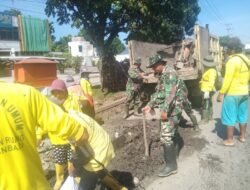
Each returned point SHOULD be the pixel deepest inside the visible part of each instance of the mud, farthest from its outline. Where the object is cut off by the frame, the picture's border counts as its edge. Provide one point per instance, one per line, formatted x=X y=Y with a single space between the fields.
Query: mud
x=130 y=160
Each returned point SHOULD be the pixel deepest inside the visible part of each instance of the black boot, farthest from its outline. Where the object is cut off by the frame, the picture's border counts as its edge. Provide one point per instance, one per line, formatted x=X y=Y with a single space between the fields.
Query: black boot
x=126 y=112
x=194 y=121
x=170 y=159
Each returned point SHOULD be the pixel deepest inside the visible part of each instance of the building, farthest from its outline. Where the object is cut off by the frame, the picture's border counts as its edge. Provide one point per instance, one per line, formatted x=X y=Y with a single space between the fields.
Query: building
x=23 y=34
x=9 y=34
x=82 y=48
x=247 y=46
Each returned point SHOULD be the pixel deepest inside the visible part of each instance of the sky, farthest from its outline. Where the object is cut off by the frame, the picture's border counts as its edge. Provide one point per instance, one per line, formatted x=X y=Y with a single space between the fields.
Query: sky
x=224 y=17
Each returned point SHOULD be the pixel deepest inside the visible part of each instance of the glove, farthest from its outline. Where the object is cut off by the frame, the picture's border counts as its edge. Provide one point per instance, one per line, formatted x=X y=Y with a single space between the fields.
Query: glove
x=206 y=95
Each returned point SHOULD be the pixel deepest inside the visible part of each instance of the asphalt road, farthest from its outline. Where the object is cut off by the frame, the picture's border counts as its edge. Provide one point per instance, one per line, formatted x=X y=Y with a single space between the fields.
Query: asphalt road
x=205 y=164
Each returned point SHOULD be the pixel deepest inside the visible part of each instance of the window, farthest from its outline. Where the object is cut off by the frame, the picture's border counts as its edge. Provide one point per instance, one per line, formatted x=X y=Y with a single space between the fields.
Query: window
x=80 y=49
x=9 y=34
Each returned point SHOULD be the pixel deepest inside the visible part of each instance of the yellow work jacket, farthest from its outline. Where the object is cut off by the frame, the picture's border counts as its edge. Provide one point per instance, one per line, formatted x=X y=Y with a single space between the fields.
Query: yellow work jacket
x=22 y=108
x=236 y=76
x=99 y=141
x=77 y=91
x=86 y=87
x=208 y=80
x=72 y=102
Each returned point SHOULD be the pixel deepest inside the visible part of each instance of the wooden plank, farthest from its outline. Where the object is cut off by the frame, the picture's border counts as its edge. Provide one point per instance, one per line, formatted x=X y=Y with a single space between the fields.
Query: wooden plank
x=114 y=104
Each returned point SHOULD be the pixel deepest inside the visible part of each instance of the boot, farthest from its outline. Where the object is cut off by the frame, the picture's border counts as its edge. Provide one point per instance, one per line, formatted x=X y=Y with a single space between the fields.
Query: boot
x=211 y=113
x=170 y=159
x=59 y=176
x=204 y=117
x=136 y=112
x=126 y=110
x=194 y=121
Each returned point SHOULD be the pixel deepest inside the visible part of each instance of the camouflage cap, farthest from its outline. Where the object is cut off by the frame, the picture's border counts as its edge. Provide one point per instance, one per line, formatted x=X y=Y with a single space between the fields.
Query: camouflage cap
x=154 y=60
x=137 y=61
x=208 y=61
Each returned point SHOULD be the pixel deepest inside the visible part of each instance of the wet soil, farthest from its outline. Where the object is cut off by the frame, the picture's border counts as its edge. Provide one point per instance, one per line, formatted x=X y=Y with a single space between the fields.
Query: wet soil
x=128 y=141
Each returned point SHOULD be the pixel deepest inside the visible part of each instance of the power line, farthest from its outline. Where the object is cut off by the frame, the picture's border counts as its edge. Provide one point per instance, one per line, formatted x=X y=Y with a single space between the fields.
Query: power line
x=217 y=10
x=30 y=1
x=210 y=13
x=214 y=12
x=22 y=9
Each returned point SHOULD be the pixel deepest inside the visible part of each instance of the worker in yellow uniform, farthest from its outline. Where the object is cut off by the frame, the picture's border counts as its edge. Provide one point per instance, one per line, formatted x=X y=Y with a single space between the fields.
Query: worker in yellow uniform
x=234 y=94
x=22 y=108
x=102 y=152
x=61 y=148
x=84 y=91
x=87 y=90
x=207 y=88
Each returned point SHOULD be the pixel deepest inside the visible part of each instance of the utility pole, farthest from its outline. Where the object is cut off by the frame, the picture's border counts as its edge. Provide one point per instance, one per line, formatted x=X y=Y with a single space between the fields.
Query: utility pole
x=229 y=28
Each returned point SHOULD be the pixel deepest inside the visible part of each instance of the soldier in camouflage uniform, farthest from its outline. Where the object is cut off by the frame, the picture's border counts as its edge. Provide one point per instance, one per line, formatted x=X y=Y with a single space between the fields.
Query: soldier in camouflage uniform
x=133 y=87
x=168 y=98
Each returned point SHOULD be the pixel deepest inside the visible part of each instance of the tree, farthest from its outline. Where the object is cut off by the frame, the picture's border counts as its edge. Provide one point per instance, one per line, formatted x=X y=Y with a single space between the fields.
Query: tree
x=52 y=31
x=62 y=44
x=115 y=48
x=231 y=43
x=163 y=21
x=13 y=12
x=156 y=21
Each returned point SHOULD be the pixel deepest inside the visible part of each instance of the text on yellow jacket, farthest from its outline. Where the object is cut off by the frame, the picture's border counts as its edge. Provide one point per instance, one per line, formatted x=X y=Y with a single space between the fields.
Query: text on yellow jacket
x=22 y=108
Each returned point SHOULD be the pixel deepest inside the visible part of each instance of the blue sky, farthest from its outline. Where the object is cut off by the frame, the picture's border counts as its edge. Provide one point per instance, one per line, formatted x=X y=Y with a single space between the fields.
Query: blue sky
x=223 y=16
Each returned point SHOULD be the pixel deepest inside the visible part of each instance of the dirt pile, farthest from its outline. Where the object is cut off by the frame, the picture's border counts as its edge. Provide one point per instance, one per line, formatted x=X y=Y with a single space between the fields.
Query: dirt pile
x=129 y=145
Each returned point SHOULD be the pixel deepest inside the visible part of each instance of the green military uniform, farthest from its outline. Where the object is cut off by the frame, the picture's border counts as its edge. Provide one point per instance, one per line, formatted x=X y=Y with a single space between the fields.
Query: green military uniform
x=133 y=88
x=169 y=96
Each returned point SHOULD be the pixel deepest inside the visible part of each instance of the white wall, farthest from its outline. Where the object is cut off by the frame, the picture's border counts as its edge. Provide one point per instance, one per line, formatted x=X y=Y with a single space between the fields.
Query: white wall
x=7 y=45
x=247 y=46
x=87 y=48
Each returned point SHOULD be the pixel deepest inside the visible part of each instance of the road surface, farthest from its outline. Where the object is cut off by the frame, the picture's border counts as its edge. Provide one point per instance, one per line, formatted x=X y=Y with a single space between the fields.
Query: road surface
x=205 y=164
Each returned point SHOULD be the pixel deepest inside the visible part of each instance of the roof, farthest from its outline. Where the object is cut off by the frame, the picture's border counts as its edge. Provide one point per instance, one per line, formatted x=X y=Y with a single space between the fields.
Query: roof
x=32 y=61
x=17 y=58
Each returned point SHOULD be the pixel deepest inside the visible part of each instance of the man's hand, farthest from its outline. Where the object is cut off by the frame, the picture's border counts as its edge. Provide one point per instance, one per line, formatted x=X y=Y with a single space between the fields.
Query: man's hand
x=164 y=116
x=142 y=74
x=146 y=109
x=220 y=97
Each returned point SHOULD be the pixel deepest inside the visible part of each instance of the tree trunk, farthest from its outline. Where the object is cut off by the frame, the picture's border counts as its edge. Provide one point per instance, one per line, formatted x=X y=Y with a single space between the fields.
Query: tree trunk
x=113 y=74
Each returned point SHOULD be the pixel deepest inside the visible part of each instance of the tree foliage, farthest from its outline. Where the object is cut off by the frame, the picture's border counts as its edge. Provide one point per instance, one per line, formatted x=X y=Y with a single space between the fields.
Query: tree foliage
x=231 y=43
x=156 y=21
x=163 y=21
x=116 y=46
x=62 y=44
x=13 y=12
x=52 y=31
